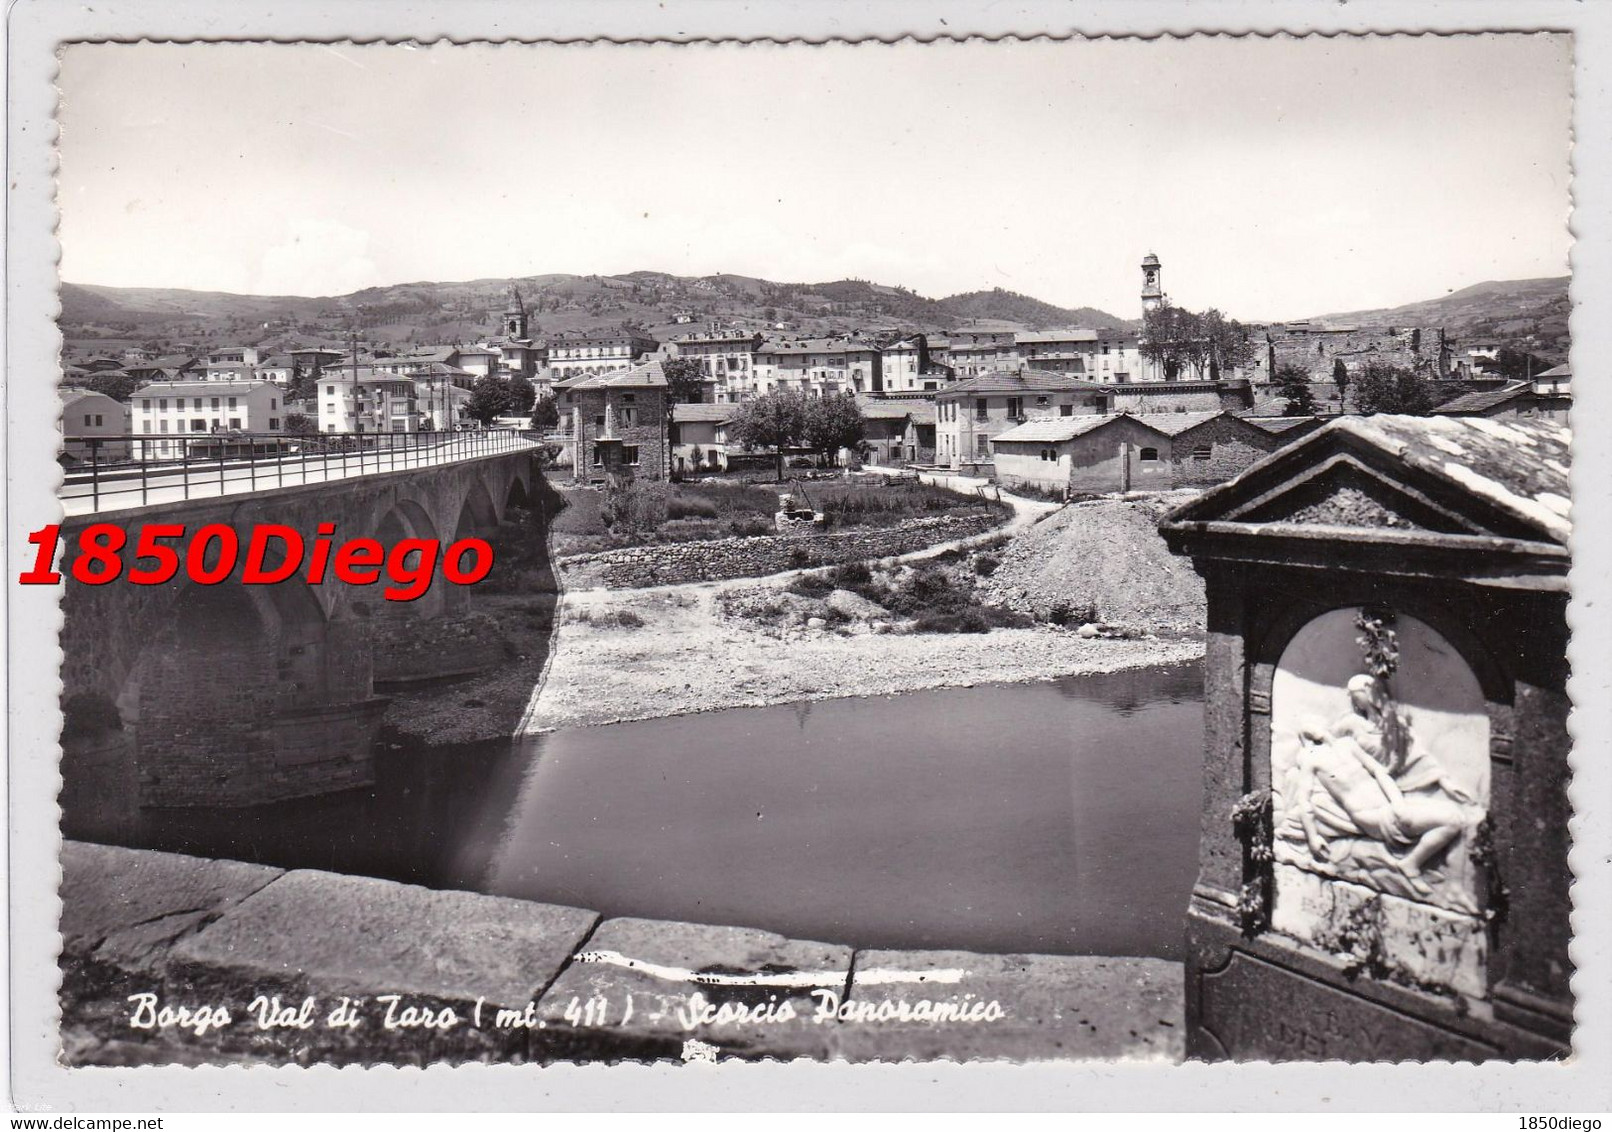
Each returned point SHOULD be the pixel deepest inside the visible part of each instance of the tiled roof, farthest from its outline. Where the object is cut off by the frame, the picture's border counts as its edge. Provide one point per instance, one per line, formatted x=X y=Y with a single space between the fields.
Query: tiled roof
x=922 y=412
x=1484 y=400
x=1520 y=466
x=1277 y=425
x=1074 y=334
x=1563 y=370
x=647 y=375
x=714 y=414
x=1015 y=381
x=1053 y=429
x=160 y=388
x=1050 y=430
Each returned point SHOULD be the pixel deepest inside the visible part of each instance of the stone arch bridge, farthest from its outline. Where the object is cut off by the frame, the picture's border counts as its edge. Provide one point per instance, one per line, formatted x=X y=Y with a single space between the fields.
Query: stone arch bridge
x=233 y=694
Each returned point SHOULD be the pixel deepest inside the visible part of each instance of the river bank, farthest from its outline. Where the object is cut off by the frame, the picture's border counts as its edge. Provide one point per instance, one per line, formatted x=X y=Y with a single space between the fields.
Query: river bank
x=643 y=654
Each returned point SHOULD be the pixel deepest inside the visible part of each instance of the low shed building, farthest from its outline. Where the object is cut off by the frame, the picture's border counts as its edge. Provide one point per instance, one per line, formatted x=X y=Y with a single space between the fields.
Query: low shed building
x=1130 y=452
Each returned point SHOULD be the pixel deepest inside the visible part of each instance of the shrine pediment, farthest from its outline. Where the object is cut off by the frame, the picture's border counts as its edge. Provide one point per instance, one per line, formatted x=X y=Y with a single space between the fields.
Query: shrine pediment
x=1436 y=482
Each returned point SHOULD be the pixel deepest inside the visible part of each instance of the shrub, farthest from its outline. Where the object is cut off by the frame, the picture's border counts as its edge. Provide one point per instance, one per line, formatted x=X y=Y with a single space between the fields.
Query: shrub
x=627 y=619
x=811 y=585
x=1064 y=613
x=687 y=506
x=799 y=556
x=985 y=564
x=635 y=507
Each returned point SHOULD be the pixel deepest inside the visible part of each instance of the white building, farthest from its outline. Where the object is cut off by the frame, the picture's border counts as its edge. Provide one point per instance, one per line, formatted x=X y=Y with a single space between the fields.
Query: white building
x=93 y=426
x=598 y=353
x=363 y=399
x=904 y=365
x=727 y=358
x=165 y=411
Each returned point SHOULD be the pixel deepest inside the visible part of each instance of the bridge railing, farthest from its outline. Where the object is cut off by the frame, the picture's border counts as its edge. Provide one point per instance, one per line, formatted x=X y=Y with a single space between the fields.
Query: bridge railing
x=114 y=472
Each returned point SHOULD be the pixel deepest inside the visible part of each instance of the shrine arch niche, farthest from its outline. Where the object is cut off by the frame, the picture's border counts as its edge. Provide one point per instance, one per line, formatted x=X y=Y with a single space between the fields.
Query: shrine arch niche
x=1379 y=781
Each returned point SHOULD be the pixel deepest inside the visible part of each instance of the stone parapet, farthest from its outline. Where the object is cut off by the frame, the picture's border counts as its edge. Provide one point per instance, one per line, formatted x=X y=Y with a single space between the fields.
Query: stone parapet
x=271 y=967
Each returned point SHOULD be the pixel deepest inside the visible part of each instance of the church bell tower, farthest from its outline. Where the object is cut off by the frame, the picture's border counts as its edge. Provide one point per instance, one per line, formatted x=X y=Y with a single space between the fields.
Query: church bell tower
x=1152 y=283
x=515 y=320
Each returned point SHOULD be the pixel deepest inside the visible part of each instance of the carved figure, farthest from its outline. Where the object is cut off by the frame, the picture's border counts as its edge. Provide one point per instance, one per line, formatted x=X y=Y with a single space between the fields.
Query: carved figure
x=1341 y=790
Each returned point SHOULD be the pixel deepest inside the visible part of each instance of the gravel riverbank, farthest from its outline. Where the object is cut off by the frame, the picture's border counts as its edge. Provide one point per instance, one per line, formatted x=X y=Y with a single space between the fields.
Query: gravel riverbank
x=682 y=656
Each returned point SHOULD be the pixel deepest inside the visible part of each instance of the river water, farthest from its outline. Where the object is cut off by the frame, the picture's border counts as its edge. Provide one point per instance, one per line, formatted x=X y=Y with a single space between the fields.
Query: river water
x=1047 y=817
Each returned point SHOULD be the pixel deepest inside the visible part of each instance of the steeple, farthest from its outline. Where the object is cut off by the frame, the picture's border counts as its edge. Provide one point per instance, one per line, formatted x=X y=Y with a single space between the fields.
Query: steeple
x=515 y=320
x=1152 y=283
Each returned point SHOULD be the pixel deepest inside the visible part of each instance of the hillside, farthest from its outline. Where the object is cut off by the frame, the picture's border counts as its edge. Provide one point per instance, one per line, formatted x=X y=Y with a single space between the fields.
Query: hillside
x=1529 y=314
x=662 y=304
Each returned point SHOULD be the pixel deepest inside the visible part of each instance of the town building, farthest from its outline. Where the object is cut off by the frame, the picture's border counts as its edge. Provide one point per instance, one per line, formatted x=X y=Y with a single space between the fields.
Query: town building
x=1112 y=357
x=817 y=367
x=1550 y=396
x=1129 y=452
x=168 y=414
x=727 y=358
x=95 y=427
x=612 y=352
x=618 y=423
x=366 y=399
x=899 y=432
x=974 y=351
x=973 y=410
x=906 y=367
x=700 y=436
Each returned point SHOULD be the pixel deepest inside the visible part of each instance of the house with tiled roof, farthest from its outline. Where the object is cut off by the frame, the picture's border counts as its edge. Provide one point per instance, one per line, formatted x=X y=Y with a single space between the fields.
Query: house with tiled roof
x=700 y=436
x=973 y=410
x=1548 y=395
x=818 y=367
x=1124 y=452
x=899 y=432
x=618 y=423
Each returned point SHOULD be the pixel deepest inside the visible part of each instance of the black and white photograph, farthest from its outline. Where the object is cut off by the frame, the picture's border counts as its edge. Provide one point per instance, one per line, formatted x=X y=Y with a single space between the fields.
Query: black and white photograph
x=1028 y=550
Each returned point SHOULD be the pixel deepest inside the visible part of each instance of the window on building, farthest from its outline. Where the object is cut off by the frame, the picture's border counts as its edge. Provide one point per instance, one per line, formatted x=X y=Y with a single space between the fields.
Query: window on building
x=235 y=422
x=598 y=457
x=980 y=408
x=330 y=390
x=162 y=403
x=629 y=454
x=86 y=420
x=198 y=425
x=232 y=403
x=1015 y=406
x=162 y=426
x=1202 y=452
x=1066 y=410
x=145 y=405
x=145 y=426
x=980 y=448
x=274 y=424
x=215 y=402
x=1147 y=455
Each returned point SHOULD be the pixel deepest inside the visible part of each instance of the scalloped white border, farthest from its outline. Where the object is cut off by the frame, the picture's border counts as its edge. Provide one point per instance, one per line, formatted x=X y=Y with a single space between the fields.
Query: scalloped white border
x=36 y=27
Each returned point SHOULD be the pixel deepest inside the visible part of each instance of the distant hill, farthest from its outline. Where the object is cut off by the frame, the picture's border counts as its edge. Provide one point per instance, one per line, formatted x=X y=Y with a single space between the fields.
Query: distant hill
x=662 y=304
x=1528 y=314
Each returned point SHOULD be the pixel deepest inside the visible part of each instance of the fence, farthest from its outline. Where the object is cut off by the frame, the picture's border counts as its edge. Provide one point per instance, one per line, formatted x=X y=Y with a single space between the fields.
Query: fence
x=112 y=472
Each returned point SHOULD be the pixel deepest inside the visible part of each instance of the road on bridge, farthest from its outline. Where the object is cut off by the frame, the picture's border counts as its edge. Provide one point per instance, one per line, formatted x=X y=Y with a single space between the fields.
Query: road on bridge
x=119 y=487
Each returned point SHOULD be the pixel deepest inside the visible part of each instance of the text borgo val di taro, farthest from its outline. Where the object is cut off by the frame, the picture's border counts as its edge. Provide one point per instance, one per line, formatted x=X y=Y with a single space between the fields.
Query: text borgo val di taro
x=394 y=1012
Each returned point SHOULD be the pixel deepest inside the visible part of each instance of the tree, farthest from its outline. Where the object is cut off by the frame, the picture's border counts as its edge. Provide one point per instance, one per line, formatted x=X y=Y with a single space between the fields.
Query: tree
x=773 y=420
x=685 y=379
x=833 y=423
x=545 y=415
x=522 y=394
x=118 y=386
x=301 y=424
x=1293 y=383
x=1229 y=343
x=1173 y=339
x=1381 y=388
x=489 y=398
x=1340 y=378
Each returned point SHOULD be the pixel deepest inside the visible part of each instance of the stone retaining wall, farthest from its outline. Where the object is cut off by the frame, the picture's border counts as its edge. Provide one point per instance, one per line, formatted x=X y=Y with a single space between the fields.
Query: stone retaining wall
x=351 y=970
x=757 y=556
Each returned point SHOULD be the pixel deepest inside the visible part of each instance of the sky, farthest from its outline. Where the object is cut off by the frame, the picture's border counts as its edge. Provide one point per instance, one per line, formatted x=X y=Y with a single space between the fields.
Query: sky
x=1275 y=178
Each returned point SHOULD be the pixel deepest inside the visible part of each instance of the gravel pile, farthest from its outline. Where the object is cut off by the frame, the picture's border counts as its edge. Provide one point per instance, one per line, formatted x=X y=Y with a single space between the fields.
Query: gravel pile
x=1105 y=553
